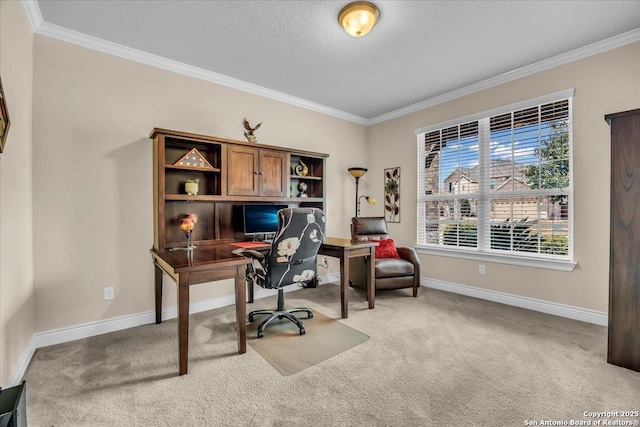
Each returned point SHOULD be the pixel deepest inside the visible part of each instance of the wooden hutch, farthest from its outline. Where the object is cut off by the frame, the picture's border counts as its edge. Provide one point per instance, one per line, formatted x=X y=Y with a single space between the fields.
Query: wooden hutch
x=624 y=257
x=230 y=174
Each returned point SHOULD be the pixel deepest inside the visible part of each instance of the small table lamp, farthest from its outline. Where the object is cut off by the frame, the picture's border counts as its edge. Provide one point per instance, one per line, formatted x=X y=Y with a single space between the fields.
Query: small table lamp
x=187 y=224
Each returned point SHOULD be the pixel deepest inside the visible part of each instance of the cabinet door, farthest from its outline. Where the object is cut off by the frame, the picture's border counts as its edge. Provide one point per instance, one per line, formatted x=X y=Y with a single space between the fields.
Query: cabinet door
x=272 y=173
x=624 y=274
x=242 y=171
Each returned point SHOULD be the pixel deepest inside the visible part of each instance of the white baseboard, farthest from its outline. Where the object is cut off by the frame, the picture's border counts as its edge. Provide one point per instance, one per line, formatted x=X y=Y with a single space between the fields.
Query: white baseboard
x=18 y=371
x=329 y=278
x=85 y=330
x=72 y=333
x=562 y=310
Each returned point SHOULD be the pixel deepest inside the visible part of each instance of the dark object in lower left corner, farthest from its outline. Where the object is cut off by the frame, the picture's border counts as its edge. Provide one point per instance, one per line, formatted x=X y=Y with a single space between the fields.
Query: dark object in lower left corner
x=13 y=406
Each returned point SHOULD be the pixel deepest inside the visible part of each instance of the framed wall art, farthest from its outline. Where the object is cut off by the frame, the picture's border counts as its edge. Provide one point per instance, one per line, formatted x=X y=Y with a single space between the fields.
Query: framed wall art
x=4 y=119
x=392 y=194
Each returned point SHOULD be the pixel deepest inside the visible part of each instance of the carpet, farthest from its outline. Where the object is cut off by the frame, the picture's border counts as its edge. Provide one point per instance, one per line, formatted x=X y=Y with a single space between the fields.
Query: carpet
x=289 y=352
x=439 y=359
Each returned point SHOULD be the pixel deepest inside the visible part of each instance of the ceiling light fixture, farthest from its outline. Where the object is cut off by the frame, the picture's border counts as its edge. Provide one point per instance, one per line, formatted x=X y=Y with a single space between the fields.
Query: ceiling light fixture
x=358 y=18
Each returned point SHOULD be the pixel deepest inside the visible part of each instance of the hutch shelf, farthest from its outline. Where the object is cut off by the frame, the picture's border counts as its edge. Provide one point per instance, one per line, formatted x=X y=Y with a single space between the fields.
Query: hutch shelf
x=229 y=174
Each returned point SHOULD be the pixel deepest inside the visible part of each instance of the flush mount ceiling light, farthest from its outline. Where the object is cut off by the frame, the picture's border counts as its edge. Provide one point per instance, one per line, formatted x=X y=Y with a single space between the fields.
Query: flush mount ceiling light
x=358 y=18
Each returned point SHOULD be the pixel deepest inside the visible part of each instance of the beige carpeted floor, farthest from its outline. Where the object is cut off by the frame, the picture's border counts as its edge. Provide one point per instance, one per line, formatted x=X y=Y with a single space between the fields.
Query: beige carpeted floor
x=437 y=360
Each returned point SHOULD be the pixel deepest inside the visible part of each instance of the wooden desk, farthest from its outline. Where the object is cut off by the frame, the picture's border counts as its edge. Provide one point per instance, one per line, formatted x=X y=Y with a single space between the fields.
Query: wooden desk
x=345 y=249
x=206 y=263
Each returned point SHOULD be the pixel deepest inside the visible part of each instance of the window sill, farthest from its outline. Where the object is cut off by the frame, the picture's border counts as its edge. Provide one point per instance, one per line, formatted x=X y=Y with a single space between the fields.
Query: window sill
x=546 y=263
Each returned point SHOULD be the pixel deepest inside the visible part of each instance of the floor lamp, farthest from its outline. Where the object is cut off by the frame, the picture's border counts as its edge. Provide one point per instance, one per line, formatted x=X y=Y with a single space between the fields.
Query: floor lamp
x=357 y=173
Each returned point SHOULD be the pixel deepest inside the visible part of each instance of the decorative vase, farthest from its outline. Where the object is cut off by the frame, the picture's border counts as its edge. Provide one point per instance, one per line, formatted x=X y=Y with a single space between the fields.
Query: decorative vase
x=191 y=188
x=187 y=225
x=302 y=169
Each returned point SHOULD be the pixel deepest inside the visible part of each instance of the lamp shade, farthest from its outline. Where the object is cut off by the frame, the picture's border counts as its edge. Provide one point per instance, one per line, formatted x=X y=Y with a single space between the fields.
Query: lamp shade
x=358 y=18
x=357 y=172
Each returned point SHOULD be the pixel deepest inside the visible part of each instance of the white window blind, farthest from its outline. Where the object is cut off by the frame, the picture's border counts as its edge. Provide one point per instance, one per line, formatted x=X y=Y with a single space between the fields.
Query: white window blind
x=500 y=181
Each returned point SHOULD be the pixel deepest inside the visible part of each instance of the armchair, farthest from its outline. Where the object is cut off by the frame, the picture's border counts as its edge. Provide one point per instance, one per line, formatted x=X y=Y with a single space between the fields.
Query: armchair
x=291 y=259
x=390 y=273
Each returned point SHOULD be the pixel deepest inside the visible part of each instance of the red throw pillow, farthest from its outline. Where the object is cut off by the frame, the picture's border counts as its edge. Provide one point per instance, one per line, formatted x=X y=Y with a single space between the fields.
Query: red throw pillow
x=386 y=248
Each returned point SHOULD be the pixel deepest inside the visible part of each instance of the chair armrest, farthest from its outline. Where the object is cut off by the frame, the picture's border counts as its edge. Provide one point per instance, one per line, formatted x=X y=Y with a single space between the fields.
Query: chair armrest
x=410 y=255
x=249 y=253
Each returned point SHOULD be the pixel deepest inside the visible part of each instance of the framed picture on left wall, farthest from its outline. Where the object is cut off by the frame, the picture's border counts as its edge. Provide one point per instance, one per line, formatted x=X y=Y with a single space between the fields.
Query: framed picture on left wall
x=4 y=118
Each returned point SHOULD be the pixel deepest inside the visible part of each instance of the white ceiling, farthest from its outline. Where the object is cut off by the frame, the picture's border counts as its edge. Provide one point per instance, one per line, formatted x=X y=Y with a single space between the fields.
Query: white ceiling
x=418 y=50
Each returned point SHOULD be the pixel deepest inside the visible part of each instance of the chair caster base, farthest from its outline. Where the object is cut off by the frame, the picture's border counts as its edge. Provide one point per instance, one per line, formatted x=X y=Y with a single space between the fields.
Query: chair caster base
x=280 y=314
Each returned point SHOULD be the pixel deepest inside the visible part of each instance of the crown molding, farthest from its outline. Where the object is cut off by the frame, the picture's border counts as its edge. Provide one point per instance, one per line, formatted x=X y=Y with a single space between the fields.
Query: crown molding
x=546 y=64
x=32 y=10
x=63 y=34
x=43 y=28
x=135 y=55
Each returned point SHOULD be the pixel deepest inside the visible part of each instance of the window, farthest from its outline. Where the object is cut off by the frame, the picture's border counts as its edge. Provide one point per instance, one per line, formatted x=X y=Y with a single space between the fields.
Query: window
x=499 y=182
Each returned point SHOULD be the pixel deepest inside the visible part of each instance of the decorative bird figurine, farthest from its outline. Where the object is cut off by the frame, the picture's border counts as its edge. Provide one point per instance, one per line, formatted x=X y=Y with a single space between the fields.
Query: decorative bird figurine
x=249 y=130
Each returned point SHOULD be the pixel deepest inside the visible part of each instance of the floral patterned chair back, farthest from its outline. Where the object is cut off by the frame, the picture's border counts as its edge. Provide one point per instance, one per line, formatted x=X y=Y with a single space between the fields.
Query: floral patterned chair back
x=292 y=257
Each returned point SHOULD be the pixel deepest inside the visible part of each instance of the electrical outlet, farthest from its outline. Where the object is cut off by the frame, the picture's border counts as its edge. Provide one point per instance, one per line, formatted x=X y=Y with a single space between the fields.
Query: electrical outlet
x=481 y=269
x=325 y=263
x=108 y=293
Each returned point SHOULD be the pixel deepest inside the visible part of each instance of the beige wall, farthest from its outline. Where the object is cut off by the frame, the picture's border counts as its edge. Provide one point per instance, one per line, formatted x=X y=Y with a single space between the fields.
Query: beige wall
x=93 y=177
x=604 y=83
x=89 y=210
x=16 y=238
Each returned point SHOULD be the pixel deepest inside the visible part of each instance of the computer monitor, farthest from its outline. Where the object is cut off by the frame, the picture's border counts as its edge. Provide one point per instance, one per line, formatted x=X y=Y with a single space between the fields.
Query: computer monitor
x=261 y=219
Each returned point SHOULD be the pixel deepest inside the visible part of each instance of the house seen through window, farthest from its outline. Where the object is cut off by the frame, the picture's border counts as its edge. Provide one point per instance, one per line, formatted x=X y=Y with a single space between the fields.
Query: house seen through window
x=498 y=183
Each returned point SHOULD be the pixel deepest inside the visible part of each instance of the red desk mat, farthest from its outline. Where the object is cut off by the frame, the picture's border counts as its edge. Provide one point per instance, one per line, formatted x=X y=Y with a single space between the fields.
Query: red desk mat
x=251 y=245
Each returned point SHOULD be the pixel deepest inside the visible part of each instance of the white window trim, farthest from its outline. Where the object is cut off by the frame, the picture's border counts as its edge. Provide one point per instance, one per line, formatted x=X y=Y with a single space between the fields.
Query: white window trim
x=525 y=261
x=538 y=261
x=545 y=99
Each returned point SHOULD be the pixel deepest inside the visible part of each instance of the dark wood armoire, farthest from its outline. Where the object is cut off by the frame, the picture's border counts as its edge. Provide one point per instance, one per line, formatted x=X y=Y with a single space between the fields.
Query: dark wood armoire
x=624 y=268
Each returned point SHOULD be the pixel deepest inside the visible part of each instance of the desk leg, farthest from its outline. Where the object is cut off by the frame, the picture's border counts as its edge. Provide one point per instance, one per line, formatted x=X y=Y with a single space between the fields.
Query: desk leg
x=241 y=310
x=249 y=291
x=344 y=286
x=158 y=279
x=371 y=278
x=183 y=322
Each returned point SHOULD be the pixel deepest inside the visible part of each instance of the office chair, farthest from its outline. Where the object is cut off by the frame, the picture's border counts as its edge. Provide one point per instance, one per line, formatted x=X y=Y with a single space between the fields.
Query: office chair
x=396 y=271
x=291 y=259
